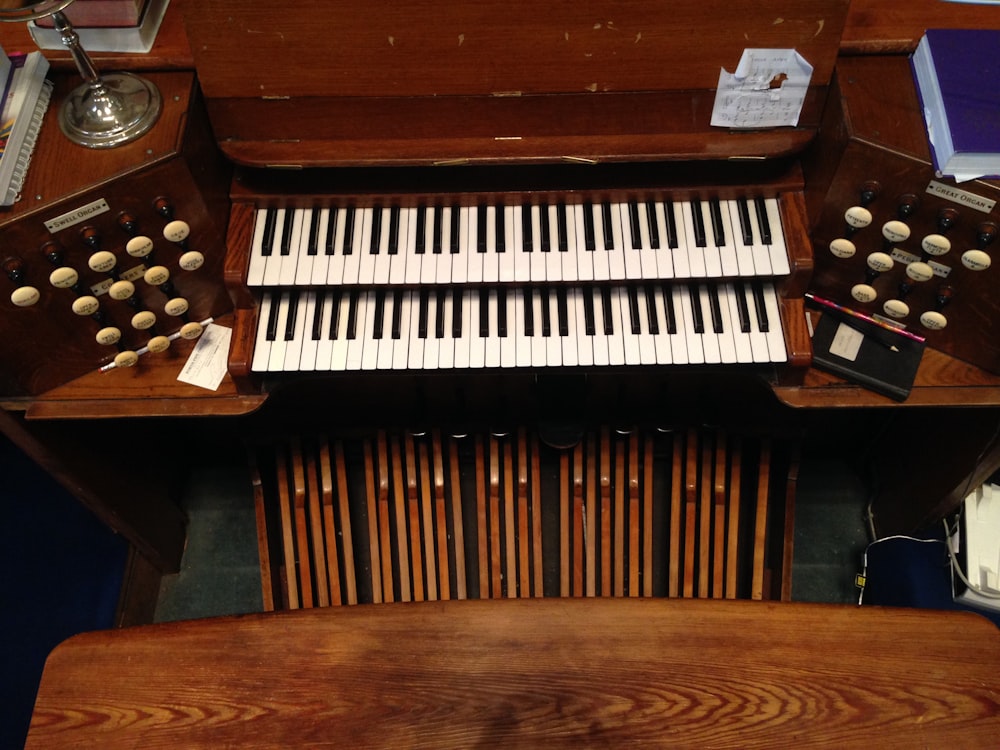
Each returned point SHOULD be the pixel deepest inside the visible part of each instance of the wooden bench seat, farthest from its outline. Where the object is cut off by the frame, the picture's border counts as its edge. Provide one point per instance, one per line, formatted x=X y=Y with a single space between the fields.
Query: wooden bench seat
x=530 y=673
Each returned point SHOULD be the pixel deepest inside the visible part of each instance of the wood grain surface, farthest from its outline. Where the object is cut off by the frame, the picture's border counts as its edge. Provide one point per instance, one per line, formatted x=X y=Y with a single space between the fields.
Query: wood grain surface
x=551 y=672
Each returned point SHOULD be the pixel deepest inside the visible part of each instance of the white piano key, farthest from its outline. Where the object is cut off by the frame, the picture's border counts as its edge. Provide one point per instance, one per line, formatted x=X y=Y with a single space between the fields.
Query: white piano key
x=366 y=256
x=432 y=344
x=570 y=343
x=362 y=330
x=679 y=341
x=741 y=338
x=584 y=341
x=261 y=346
x=412 y=272
x=730 y=327
x=522 y=343
x=304 y=267
x=335 y=267
x=273 y=262
x=444 y=259
x=461 y=263
x=446 y=345
x=309 y=345
x=744 y=252
x=553 y=344
x=664 y=255
x=506 y=259
x=568 y=257
x=730 y=264
x=538 y=341
x=680 y=255
x=463 y=344
x=616 y=257
x=632 y=256
x=493 y=338
x=553 y=258
x=520 y=259
x=629 y=336
x=778 y=249
x=713 y=259
x=600 y=257
x=276 y=355
x=508 y=343
x=338 y=351
x=352 y=261
x=428 y=260
x=324 y=348
x=398 y=262
x=775 y=338
x=709 y=339
x=693 y=339
x=321 y=263
x=385 y=344
x=492 y=258
x=695 y=254
x=476 y=260
x=383 y=260
x=401 y=345
x=293 y=347
x=415 y=350
x=477 y=342
x=536 y=258
x=661 y=339
x=647 y=347
x=760 y=251
x=583 y=259
x=599 y=338
x=616 y=340
x=258 y=261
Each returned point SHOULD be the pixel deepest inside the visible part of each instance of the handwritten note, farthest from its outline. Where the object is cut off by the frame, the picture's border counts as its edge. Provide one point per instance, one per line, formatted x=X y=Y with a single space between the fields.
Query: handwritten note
x=207 y=365
x=766 y=90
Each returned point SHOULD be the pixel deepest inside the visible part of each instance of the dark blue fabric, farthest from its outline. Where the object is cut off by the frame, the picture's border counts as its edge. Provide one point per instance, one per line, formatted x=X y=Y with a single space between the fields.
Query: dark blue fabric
x=909 y=573
x=62 y=574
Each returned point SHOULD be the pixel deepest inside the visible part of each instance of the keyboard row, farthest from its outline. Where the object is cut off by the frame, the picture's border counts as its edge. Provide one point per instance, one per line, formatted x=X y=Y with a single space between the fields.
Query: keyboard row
x=334 y=330
x=495 y=243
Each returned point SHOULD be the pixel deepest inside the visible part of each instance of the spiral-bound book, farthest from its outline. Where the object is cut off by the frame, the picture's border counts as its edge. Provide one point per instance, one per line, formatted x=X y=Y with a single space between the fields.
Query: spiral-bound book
x=20 y=119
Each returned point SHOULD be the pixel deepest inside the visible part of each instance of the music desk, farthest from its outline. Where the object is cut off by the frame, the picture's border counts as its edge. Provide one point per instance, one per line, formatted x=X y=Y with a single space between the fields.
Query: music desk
x=566 y=672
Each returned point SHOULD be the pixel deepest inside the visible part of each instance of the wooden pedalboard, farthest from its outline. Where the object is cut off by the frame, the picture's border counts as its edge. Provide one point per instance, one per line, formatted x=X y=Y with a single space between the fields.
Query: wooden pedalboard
x=173 y=172
x=874 y=137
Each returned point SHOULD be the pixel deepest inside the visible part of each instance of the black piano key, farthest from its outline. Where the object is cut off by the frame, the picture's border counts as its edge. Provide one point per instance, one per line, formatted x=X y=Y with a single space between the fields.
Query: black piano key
x=438 y=230
x=762 y=222
x=439 y=313
x=529 y=312
x=286 y=233
x=293 y=315
x=421 y=230
x=562 y=310
x=633 y=310
x=335 y=298
x=654 y=225
x=633 y=223
x=422 y=312
x=743 y=210
x=716 y=308
x=378 y=318
x=609 y=229
x=348 y=246
x=526 y=240
x=397 y=313
x=454 y=242
x=654 y=322
x=668 y=211
x=501 y=228
x=267 y=241
x=352 y=315
x=317 y=321
x=481 y=228
x=394 y=230
x=543 y=216
x=588 y=312
x=609 y=326
x=561 y=229
x=272 y=318
x=546 y=312
x=741 y=307
x=718 y=229
x=313 y=247
x=502 y=312
x=589 y=242
x=698 y=222
x=758 y=297
x=668 y=308
x=331 y=231
x=456 y=320
x=697 y=321
x=484 y=312
x=376 y=238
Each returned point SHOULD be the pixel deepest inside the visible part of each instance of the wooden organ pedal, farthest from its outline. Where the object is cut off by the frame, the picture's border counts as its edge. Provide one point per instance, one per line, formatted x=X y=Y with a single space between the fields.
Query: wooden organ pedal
x=698 y=512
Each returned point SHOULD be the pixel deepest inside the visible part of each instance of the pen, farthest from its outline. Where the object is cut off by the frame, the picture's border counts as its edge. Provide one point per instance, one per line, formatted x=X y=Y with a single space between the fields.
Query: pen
x=861 y=316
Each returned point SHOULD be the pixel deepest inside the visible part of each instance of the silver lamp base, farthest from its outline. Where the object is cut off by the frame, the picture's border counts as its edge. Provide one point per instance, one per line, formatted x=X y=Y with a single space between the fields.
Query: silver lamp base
x=116 y=108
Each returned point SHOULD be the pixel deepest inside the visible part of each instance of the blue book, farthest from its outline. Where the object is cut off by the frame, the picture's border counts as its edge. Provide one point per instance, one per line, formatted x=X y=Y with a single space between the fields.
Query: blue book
x=957 y=73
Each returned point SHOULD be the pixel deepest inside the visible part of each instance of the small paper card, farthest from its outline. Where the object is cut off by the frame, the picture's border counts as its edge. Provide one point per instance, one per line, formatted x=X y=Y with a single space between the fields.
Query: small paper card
x=209 y=360
x=766 y=91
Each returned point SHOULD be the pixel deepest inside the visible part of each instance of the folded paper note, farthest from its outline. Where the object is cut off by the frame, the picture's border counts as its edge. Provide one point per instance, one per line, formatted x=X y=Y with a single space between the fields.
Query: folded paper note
x=766 y=90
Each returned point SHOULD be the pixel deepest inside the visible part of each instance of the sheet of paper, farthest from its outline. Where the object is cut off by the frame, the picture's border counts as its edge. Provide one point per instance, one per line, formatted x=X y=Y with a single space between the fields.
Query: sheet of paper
x=766 y=90
x=846 y=342
x=208 y=363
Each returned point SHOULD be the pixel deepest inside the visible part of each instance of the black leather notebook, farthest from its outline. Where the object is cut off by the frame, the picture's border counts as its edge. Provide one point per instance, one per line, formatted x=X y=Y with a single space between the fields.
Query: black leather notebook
x=866 y=353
